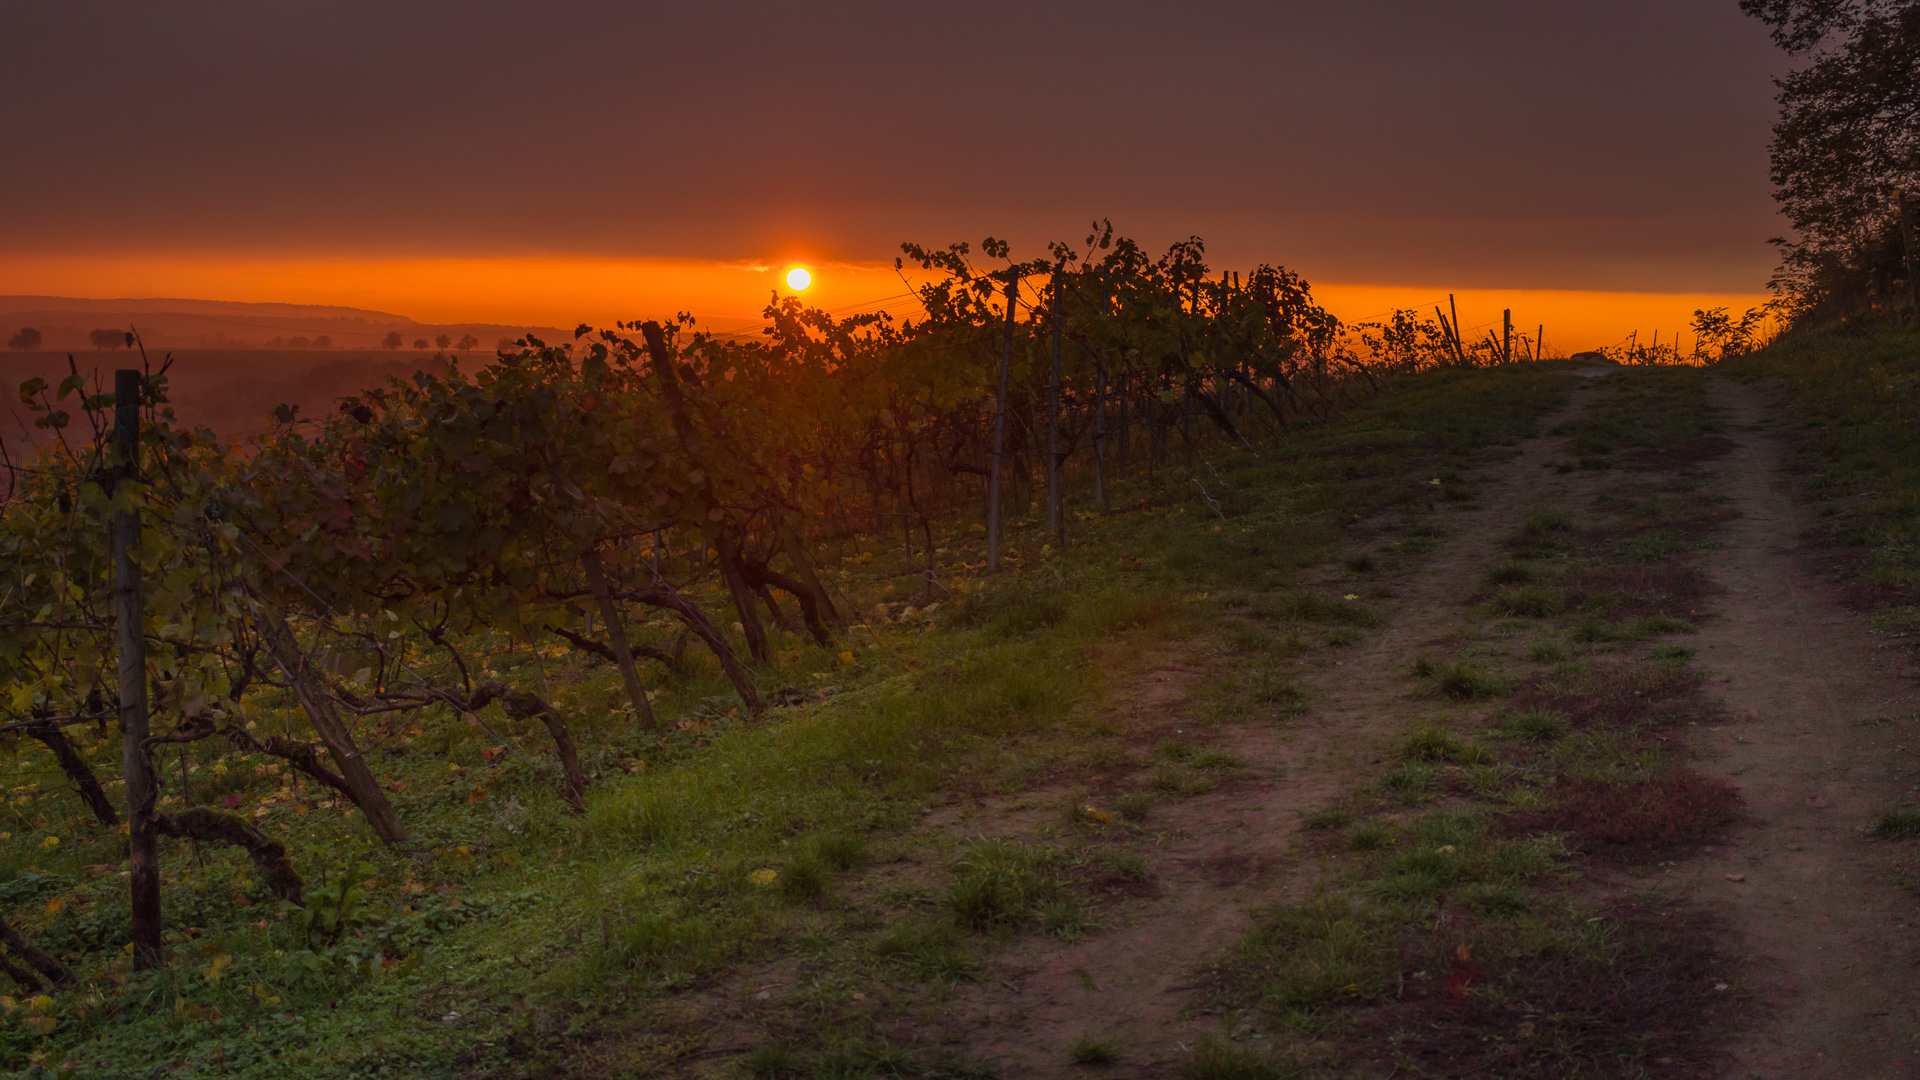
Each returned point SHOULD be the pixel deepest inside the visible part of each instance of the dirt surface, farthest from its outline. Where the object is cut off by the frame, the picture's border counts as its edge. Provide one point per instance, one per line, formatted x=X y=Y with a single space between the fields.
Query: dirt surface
x=1824 y=738
x=1222 y=855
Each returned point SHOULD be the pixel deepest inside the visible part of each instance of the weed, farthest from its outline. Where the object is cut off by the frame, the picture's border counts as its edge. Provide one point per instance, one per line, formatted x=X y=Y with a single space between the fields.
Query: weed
x=1134 y=806
x=1533 y=725
x=774 y=1060
x=1063 y=919
x=1363 y=563
x=1513 y=572
x=931 y=950
x=1269 y=687
x=1087 y=1050
x=1174 y=750
x=1495 y=898
x=1546 y=522
x=1371 y=836
x=1341 y=637
x=1215 y=1060
x=1412 y=782
x=1547 y=652
x=1303 y=606
x=1124 y=865
x=1673 y=654
x=1467 y=681
x=1330 y=818
x=838 y=852
x=1898 y=824
x=1432 y=744
x=1528 y=601
x=804 y=878
x=1215 y=760
x=1182 y=782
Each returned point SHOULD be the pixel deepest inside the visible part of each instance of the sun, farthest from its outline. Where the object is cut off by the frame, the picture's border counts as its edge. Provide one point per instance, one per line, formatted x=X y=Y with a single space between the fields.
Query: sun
x=798 y=279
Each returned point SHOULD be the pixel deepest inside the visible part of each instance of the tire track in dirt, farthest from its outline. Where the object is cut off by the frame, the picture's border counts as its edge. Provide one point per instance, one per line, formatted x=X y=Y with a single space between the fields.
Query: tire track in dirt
x=1823 y=735
x=1235 y=850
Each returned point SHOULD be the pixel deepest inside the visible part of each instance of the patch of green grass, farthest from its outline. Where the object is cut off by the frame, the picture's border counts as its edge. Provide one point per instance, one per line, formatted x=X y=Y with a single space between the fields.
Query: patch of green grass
x=1548 y=652
x=1527 y=601
x=1183 y=782
x=1310 y=607
x=1371 y=836
x=1413 y=782
x=1460 y=679
x=1134 y=806
x=1434 y=744
x=1514 y=572
x=1088 y=1050
x=1547 y=522
x=1902 y=823
x=1215 y=1060
x=1533 y=725
x=1340 y=637
x=1270 y=687
x=931 y=950
x=1330 y=818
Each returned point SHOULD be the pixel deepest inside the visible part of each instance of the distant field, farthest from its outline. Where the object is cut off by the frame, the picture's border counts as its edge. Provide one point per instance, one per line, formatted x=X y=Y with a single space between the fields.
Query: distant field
x=230 y=390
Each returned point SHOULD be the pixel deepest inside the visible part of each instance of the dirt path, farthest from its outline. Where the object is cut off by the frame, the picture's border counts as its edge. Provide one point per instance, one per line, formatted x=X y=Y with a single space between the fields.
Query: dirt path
x=1235 y=850
x=1824 y=739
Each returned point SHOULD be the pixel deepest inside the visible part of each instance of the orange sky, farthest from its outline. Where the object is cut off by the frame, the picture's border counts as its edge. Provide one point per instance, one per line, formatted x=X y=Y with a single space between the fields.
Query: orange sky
x=565 y=290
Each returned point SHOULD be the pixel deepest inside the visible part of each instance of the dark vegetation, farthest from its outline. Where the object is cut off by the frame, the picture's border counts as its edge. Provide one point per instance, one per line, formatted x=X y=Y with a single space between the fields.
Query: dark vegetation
x=555 y=789
x=1479 y=916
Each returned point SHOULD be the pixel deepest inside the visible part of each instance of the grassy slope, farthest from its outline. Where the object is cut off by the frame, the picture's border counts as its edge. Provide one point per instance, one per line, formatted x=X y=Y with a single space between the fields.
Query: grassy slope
x=1857 y=395
x=514 y=937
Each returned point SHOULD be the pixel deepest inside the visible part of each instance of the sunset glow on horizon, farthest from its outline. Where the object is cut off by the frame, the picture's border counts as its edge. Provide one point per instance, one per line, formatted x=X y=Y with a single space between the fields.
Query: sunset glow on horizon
x=562 y=291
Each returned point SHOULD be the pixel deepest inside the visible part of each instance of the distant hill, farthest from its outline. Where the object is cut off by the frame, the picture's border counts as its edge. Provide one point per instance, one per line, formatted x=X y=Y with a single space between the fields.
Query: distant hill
x=66 y=323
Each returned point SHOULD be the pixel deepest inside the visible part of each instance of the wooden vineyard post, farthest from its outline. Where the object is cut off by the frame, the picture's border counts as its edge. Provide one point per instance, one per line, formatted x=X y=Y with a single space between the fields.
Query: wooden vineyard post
x=129 y=616
x=1506 y=336
x=1540 y=342
x=1907 y=245
x=1459 y=347
x=1100 y=437
x=1000 y=430
x=1054 y=523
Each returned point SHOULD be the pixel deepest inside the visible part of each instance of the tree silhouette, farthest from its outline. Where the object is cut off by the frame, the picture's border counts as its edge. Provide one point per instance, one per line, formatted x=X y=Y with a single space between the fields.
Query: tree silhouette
x=443 y=341
x=421 y=344
x=107 y=339
x=27 y=340
x=466 y=342
x=391 y=341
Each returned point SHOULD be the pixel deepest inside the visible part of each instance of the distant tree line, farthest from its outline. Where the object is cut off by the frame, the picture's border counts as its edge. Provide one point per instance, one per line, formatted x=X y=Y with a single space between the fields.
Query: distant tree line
x=1846 y=155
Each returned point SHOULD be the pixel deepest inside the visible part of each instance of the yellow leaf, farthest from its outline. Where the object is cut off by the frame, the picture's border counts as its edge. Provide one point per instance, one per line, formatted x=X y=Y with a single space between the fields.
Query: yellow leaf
x=54 y=905
x=50 y=842
x=41 y=1024
x=764 y=877
x=845 y=659
x=1092 y=814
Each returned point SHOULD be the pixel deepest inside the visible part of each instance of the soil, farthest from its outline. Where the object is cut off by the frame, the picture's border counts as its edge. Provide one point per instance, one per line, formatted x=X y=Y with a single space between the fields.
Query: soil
x=1822 y=736
x=1824 y=739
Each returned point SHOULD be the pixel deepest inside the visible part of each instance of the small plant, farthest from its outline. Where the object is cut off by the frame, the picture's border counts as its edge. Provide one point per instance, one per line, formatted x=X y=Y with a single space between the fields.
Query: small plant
x=1174 y=750
x=1533 y=725
x=1370 y=837
x=1432 y=744
x=1527 y=601
x=1341 y=637
x=1548 y=652
x=1898 y=824
x=1411 y=783
x=1125 y=865
x=1134 y=806
x=836 y=851
x=771 y=1060
x=1362 y=563
x=1088 y=1050
x=1513 y=572
x=1064 y=919
x=1215 y=1060
x=1215 y=760
x=1495 y=899
x=1269 y=687
x=803 y=879
x=1548 y=521
x=1330 y=818
x=1673 y=654
x=931 y=950
x=1464 y=681
x=1183 y=782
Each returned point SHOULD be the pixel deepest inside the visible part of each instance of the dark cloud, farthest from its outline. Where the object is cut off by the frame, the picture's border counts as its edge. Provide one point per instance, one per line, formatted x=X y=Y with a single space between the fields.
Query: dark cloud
x=1481 y=142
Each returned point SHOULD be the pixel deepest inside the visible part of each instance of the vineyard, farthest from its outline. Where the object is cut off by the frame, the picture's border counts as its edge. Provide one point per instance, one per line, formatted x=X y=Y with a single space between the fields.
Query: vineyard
x=286 y=717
